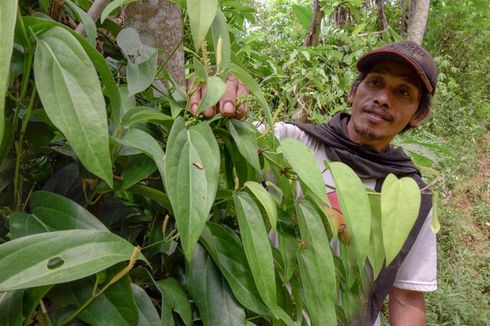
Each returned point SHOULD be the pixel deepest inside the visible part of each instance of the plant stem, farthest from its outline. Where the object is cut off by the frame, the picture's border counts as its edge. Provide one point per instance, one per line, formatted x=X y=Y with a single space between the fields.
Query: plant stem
x=116 y=278
x=20 y=152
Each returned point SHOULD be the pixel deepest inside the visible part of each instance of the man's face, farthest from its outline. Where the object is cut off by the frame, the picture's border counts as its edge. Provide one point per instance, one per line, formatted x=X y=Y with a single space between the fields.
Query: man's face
x=384 y=103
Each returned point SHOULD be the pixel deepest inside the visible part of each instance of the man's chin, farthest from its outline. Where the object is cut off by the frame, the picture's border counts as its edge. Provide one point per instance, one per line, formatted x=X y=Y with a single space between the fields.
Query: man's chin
x=367 y=133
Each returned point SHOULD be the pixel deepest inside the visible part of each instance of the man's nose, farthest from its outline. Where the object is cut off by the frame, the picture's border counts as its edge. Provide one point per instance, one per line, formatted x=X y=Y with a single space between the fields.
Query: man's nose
x=383 y=98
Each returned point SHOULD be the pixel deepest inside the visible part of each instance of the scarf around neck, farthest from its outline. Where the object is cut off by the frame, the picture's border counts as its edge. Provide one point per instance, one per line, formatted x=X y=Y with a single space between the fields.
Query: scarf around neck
x=367 y=163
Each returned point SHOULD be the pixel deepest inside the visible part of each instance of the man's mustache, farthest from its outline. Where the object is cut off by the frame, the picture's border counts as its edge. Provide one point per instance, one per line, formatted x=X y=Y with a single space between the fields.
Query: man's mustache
x=375 y=109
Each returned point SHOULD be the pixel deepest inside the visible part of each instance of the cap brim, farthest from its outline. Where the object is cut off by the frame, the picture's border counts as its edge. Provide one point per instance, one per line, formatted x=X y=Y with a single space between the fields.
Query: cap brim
x=371 y=58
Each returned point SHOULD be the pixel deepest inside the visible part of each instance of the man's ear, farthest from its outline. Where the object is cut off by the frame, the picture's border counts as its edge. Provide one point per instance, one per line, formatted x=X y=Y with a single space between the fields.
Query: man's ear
x=352 y=94
x=419 y=117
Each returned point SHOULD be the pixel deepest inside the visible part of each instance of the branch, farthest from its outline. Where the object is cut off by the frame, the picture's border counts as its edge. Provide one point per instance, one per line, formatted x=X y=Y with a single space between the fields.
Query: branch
x=313 y=35
x=94 y=12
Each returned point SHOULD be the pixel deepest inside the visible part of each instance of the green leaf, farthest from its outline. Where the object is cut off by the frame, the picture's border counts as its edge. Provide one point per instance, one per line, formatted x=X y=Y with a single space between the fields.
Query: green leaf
x=174 y=298
x=245 y=140
x=256 y=246
x=57 y=257
x=225 y=248
x=141 y=113
x=288 y=247
x=135 y=168
x=111 y=88
x=210 y=293
x=115 y=306
x=354 y=204
x=32 y=298
x=304 y=164
x=142 y=60
x=142 y=141
x=157 y=196
x=214 y=91
x=112 y=6
x=317 y=267
x=11 y=308
x=435 y=225
x=191 y=179
x=147 y=314
x=199 y=69
x=88 y=23
x=266 y=200
x=376 y=253
x=7 y=27
x=201 y=15
x=22 y=224
x=70 y=91
x=253 y=87
x=60 y=213
x=304 y=15
x=219 y=30
x=400 y=203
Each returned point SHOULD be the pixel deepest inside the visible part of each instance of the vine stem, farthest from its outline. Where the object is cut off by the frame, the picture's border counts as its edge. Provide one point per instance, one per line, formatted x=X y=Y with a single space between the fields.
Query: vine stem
x=20 y=152
x=116 y=278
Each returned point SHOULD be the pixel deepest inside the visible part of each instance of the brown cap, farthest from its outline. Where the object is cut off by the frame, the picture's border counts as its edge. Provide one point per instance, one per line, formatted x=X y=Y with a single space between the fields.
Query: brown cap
x=410 y=52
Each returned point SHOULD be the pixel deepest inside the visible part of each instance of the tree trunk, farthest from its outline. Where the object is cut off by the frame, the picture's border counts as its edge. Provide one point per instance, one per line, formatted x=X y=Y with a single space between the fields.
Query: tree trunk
x=342 y=16
x=313 y=35
x=159 y=24
x=418 y=20
x=382 y=15
x=404 y=16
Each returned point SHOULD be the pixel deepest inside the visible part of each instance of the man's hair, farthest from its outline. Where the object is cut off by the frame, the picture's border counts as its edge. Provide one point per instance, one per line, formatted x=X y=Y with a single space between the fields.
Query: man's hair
x=425 y=99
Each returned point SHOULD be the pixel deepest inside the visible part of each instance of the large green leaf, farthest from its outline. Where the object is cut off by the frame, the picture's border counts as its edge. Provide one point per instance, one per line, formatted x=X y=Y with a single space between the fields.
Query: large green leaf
x=256 y=246
x=219 y=29
x=7 y=26
x=38 y=24
x=210 y=293
x=174 y=298
x=376 y=253
x=317 y=267
x=304 y=14
x=159 y=197
x=400 y=203
x=142 y=141
x=142 y=60
x=191 y=179
x=225 y=248
x=60 y=213
x=11 y=308
x=61 y=256
x=69 y=88
x=201 y=15
x=147 y=314
x=354 y=203
x=215 y=88
x=304 y=164
x=245 y=140
x=266 y=200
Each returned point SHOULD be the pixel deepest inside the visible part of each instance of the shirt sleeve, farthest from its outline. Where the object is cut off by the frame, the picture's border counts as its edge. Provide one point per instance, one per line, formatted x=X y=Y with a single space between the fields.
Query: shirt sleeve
x=419 y=269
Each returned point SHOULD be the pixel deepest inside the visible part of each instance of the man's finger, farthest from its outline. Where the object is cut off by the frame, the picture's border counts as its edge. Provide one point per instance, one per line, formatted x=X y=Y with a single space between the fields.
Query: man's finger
x=195 y=98
x=209 y=112
x=227 y=102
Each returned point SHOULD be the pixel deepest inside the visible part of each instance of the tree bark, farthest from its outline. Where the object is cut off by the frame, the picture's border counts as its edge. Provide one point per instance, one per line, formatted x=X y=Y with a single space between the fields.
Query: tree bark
x=313 y=35
x=55 y=8
x=159 y=24
x=404 y=16
x=418 y=20
x=382 y=15
x=342 y=16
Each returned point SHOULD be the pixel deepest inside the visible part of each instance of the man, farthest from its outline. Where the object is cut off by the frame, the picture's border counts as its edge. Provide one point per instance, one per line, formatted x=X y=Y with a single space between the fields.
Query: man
x=391 y=94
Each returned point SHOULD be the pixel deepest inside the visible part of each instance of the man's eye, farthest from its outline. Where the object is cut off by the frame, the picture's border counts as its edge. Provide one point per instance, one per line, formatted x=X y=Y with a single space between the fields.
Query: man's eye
x=374 y=82
x=404 y=92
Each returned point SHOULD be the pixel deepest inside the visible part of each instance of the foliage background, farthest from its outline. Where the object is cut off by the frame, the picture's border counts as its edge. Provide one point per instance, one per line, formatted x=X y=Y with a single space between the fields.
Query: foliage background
x=267 y=37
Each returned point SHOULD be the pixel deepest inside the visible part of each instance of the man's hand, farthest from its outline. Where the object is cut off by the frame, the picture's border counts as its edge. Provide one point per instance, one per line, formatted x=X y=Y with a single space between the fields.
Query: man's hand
x=406 y=308
x=227 y=104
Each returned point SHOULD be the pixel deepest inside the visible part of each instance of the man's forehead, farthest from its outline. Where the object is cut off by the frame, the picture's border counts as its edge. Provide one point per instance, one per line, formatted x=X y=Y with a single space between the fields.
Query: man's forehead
x=397 y=69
